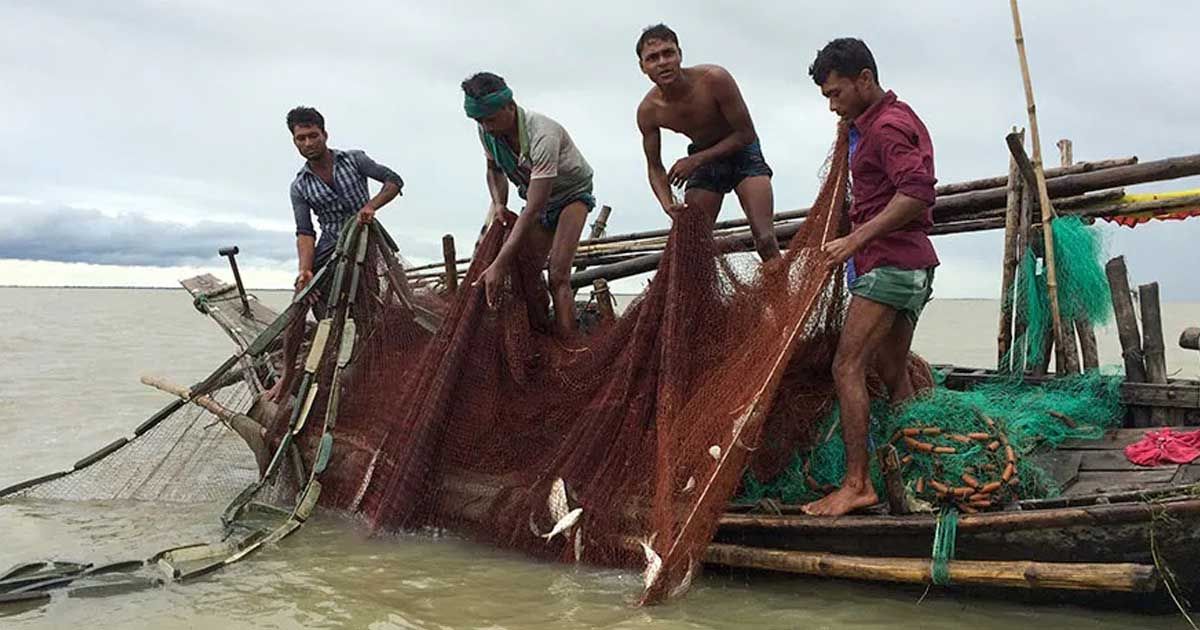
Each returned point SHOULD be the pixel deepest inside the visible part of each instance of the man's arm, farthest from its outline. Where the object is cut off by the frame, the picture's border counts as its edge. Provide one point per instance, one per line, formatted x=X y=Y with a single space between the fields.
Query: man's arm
x=652 y=147
x=535 y=200
x=733 y=108
x=905 y=168
x=392 y=185
x=306 y=237
x=497 y=185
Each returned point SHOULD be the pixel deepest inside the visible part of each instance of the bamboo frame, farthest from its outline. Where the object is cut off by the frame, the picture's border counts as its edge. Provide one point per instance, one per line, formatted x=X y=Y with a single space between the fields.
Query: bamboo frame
x=1072 y=364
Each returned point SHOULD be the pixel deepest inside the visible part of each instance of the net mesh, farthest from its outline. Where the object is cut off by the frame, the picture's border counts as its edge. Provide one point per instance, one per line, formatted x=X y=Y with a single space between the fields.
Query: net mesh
x=619 y=448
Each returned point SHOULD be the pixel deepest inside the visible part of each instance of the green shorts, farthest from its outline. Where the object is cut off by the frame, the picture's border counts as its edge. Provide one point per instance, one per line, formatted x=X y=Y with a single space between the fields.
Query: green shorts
x=906 y=290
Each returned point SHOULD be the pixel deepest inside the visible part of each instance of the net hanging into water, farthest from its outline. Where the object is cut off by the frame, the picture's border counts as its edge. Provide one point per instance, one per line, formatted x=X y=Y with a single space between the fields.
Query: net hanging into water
x=619 y=448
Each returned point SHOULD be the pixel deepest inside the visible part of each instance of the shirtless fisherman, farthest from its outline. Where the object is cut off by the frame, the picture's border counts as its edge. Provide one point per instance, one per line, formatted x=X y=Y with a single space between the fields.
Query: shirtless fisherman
x=703 y=103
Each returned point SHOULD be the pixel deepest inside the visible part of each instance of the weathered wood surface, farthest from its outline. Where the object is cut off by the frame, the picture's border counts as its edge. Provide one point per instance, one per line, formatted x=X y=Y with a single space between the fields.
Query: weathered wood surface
x=1118 y=577
x=1011 y=256
x=1000 y=181
x=1067 y=185
x=1154 y=348
x=222 y=302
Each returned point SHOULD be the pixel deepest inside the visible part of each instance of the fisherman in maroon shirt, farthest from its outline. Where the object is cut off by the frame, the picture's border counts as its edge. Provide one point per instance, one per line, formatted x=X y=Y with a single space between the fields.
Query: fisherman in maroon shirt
x=889 y=254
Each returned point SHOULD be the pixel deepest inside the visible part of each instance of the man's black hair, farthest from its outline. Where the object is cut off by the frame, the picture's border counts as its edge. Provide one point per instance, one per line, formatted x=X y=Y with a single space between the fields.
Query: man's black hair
x=481 y=84
x=304 y=116
x=848 y=56
x=660 y=32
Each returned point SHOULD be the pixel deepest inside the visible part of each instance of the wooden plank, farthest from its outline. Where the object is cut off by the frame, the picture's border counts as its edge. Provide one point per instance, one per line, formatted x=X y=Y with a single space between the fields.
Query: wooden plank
x=1117 y=481
x=1116 y=439
x=1187 y=474
x=1062 y=466
x=1112 y=460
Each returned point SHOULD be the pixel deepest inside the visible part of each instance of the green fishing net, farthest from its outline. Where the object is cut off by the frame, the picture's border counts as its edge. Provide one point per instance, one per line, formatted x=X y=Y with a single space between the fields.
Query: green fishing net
x=1032 y=418
x=961 y=439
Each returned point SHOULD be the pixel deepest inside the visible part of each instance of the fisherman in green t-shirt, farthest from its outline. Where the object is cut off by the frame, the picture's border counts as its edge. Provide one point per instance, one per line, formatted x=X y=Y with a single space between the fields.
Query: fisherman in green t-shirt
x=537 y=155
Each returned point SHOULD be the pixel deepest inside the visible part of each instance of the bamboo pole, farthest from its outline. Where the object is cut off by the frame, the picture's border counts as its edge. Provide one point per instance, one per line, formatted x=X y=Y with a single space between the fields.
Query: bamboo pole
x=1008 y=273
x=1072 y=364
x=1154 y=349
x=1127 y=331
x=1117 y=577
x=1002 y=180
x=251 y=432
x=450 y=274
x=1158 y=170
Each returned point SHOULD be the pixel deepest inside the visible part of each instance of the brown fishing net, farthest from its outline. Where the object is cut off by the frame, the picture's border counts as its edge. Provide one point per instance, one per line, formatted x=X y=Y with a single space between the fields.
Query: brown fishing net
x=629 y=441
x=620 y=447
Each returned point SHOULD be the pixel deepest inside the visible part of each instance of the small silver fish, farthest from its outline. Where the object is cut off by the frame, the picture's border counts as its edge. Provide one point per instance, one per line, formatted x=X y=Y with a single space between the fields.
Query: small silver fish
x=557 y=501
x=686 y=582
x=715 y=452
x=691 y=485
x=653 y=561
x=564 y=523
x=579 y=545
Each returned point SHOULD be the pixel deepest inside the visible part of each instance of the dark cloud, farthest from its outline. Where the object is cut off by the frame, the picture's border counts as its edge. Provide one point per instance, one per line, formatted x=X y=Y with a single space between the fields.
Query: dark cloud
x=62 y=234
x=146 y=105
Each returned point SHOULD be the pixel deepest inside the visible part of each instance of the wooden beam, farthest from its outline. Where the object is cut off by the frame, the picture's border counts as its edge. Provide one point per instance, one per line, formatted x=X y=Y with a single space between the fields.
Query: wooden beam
x=1001 y=181
x=1117 y=577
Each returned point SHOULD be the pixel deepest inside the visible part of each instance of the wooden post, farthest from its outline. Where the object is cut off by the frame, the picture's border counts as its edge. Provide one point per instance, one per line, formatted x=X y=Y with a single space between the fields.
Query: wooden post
x=604 y=300
x=450 y=277
x=601 y=223
x=1020 y=357
x=1189 y=339
x=1012 y=220
x=1127 y=330
x=889 y=464
x=1087 y=335
x=1153 y=347
x=1072 y=363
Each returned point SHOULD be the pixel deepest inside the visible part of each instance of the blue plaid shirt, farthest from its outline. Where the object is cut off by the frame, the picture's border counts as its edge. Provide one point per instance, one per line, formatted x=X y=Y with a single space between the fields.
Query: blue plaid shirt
x=334 y=204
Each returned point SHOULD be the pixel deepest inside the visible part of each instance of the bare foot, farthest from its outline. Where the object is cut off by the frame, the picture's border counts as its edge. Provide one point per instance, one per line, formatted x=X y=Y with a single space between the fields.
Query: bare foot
x=843 y=501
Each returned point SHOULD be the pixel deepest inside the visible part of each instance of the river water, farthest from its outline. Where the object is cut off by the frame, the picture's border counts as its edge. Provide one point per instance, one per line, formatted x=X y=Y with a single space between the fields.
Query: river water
x=70 y=360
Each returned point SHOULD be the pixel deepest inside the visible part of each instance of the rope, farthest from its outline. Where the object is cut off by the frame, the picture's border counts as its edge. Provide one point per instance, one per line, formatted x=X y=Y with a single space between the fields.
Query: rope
x=944 y=539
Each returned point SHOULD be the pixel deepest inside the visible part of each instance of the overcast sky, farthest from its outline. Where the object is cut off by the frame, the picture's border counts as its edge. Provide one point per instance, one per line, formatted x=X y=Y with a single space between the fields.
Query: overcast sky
x=138 y=137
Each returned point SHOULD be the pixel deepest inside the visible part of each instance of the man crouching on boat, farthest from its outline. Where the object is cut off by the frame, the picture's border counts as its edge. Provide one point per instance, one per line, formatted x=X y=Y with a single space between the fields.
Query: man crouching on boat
x=539 y=157
x=703 y=103
x=333 y=186
x=891 y=258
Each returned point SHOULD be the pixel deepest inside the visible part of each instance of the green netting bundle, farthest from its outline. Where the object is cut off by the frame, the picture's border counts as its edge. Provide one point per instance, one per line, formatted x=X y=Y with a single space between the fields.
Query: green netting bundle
x=1083 y=291
x=1030 y=417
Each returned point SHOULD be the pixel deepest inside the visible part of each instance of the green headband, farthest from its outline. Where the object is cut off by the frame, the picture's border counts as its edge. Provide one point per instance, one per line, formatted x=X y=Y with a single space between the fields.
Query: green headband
x=488 y=104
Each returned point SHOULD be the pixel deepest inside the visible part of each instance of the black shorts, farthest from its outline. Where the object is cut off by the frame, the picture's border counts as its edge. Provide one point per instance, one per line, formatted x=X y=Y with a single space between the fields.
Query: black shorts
x=724 y=174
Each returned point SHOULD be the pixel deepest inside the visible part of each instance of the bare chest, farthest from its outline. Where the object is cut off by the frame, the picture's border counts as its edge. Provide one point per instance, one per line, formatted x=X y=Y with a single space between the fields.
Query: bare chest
x=697 y=116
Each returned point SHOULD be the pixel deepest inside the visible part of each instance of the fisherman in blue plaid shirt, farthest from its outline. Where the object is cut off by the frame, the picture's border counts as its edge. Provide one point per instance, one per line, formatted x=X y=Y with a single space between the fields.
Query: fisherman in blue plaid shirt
x=333 y=186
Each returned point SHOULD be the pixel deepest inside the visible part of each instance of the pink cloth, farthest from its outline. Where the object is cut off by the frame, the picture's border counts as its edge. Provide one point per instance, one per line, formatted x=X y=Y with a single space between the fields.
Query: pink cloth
x=1165 y=446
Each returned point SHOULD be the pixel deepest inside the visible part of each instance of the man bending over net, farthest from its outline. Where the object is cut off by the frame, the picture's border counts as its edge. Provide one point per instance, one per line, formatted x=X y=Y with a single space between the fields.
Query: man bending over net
x=703 y=103
x=332 y=185
x=536 y=154
x=891 y=258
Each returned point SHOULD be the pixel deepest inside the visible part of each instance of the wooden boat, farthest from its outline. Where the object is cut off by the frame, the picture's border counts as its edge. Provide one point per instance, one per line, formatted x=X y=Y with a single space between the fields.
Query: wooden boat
x=1116 y=529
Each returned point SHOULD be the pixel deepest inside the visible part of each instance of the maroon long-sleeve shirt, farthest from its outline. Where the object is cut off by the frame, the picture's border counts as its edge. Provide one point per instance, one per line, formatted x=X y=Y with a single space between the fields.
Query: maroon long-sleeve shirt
x=893 y=153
